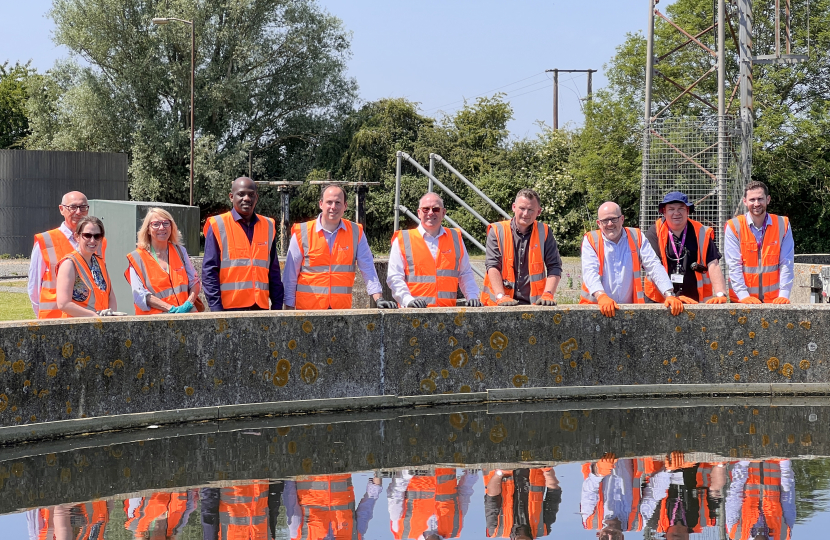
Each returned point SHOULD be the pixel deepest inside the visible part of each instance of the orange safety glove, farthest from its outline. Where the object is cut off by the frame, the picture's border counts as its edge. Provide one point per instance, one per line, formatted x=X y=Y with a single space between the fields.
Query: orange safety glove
x=607 y=305
x=781 y=300
x=676 y=460
x=546 y=299
x=606 y=464
x=674 y=304
x=686 y=300
x=751 y=300
x=507 y=301
x=717 y=300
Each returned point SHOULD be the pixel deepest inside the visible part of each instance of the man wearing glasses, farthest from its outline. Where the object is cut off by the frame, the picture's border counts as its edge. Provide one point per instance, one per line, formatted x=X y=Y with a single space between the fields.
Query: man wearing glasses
x=613 y=259
x=436 y=262
x=49 y=248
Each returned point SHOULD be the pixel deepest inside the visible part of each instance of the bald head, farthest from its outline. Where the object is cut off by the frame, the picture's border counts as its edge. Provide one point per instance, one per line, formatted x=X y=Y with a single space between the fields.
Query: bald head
x=244 y=197
x=243 y=181
x=609 y=207
x=431 y=199
x=610 y=220
x=73 y=197
x=73 y=207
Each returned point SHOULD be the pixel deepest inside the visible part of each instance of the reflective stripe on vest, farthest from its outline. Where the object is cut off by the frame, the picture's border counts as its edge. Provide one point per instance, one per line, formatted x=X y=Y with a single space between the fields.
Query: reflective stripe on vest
x=171 y=288
x=428 y=496
x=760 y=267
x=704 y=235
x=243 y=511
x=97 y=299
x=596 y=241
x=327 y=275
x=435 y=279
x=535 y=261
x=327 y=503
x=244 y=265
x=54 y=246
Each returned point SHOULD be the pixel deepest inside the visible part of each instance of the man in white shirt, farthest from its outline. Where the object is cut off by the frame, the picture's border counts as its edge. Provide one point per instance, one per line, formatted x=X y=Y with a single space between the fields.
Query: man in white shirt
x=436 y=264
x=613 y=259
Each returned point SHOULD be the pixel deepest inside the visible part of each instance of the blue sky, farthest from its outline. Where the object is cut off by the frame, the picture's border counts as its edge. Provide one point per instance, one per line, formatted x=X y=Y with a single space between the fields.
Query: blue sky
x=436 y=52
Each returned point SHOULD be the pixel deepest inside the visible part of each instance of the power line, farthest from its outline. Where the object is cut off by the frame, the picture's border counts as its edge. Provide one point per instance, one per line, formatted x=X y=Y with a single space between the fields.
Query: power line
x=487 y=92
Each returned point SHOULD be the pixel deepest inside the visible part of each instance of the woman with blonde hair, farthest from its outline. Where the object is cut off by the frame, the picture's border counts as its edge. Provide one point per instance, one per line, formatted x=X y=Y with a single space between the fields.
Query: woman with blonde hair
x=160 y=274
x=83 y=284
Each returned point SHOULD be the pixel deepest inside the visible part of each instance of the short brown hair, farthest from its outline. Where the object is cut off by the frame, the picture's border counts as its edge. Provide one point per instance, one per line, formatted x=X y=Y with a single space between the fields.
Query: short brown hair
x=327 y=186
x=530 y=195
x=755 y=184
x=89 y=219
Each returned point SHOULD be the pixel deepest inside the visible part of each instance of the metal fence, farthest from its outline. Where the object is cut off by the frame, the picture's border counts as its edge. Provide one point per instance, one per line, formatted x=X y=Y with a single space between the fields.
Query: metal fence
x=681 y=154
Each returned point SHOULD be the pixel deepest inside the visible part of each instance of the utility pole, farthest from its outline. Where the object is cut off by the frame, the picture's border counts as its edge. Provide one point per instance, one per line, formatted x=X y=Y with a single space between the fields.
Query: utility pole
x=556 y=73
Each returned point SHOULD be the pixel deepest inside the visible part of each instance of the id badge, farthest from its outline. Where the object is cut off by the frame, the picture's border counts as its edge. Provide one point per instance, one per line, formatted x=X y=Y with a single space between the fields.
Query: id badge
x=677 y=278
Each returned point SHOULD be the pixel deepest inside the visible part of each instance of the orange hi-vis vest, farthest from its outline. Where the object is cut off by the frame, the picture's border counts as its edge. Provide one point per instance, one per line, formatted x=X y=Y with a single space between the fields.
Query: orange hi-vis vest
x=97 y=299
x=535 y=261
x=634 y=242
x=760 y=265
x=169 y=287
x=704 y=235
x=327 y=276
x=243 y=512
x=88 y=521
x=428 y=496
x=171 y=507
x=762 y=491
x=54 y=246
x=434 y=279
x=634 y=521
x=535 y=504
x=327 y=503
x=243 y=270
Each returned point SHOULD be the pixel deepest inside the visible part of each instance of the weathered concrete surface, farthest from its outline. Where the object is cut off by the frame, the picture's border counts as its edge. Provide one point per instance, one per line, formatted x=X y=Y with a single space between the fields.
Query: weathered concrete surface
x=84 y=368
x=84 y=468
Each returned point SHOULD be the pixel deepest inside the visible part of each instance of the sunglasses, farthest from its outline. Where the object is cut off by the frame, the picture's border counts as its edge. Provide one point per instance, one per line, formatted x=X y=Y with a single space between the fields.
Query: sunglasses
x=428 y=209
x=90 y=236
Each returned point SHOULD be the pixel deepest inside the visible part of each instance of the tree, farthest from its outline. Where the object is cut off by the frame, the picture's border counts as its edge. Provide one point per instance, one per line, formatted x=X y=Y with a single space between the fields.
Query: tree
x=14 y=123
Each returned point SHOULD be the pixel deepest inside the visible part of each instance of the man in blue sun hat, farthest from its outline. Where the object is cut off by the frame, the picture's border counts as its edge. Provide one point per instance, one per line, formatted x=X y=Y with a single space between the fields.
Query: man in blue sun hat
x=689 y=254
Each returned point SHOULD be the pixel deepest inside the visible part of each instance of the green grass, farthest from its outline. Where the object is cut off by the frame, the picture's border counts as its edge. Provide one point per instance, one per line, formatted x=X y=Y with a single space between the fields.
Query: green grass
x=13 y=283
x=15 y=307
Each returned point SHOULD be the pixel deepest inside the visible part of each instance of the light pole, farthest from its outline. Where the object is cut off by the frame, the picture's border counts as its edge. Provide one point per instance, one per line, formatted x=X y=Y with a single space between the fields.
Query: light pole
x=165 y=20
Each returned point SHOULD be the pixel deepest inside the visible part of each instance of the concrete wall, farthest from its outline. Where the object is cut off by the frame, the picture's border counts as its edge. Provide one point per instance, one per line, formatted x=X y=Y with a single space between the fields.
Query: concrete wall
x=57 y=370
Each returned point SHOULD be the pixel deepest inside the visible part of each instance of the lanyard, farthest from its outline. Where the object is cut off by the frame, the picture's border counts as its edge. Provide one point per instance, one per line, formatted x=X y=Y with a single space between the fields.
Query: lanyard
x=682 y=242
x=153 y=251
x=763 y=233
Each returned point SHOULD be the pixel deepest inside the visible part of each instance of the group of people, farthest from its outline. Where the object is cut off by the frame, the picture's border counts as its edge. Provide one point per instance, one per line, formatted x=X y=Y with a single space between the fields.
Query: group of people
x=667 y=496
x=675 y=262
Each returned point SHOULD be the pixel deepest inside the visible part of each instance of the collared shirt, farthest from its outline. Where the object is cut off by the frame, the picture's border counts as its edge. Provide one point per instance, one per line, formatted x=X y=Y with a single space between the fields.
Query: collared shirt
x=37 y=267
x=140 y=293
x=397 y=496
x=213 y=256
x=617 y=493
x=297 y=524
x=294 y=262
x=732 y=256
x=493 y=258
x=736 y=495
x=396 y=277
x=617 y=281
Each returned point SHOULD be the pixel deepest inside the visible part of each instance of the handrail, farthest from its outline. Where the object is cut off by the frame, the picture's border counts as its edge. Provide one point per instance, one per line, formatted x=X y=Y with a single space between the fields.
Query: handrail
x=452 y=222
x=442 y=161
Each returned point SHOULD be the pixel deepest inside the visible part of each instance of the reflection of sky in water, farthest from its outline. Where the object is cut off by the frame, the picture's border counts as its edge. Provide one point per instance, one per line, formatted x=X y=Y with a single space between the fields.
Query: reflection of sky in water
x=568 y=521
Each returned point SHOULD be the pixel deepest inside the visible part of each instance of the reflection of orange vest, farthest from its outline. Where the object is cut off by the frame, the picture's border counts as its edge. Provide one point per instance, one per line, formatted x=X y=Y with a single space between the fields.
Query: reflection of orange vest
x=535 y=502
x=327 y=276
x=327 y=502
x=54 y=246
x=762 y=489
x=535 y=261
x=169 y=506
x=428 y=496
x=432 y=278
x=88 y=521
x=170 y=288
x=243 y=512
x=97 y=299
x=634 y=522
x=598 y=244
x=243 y=269
x=704 y=235
x=760 y=268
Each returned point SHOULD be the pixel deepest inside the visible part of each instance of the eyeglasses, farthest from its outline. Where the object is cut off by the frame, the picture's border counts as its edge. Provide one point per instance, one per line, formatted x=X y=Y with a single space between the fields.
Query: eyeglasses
x=160 y=224
x=76 y=207
x=609 y=221
x=90 y=236
x=428 y=209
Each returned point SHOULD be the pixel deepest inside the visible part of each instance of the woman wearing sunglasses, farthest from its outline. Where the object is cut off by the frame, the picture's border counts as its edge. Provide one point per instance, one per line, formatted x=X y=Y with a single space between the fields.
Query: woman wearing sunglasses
x=84 y=288
x=160 y=274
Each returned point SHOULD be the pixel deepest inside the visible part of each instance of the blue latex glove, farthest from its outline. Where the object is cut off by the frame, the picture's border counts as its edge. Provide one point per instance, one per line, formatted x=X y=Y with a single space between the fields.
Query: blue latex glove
x=174 y=309
x=187 y=307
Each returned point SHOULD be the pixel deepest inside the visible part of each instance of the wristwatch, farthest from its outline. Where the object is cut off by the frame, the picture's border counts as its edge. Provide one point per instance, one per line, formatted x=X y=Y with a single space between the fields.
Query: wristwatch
x=669 y=293
x=720 y=294
x=499 y=296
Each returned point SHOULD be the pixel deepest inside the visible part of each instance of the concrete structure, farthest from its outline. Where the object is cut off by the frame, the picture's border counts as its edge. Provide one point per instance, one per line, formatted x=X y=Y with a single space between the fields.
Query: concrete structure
x=33 y=181
x=232 y=364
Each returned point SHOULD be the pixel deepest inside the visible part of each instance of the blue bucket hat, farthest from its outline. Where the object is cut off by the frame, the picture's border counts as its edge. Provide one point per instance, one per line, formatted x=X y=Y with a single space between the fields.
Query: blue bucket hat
x=675 y=197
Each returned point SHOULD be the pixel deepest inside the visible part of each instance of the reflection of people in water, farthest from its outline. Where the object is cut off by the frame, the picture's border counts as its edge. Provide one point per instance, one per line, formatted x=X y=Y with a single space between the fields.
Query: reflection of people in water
x=760 y=504
x=611 y=496
x=521 y=504
x=321 y=507
x=429 y=507
x=160 y=516
x=86 y=521
x=683 y=497
x=241 y=512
